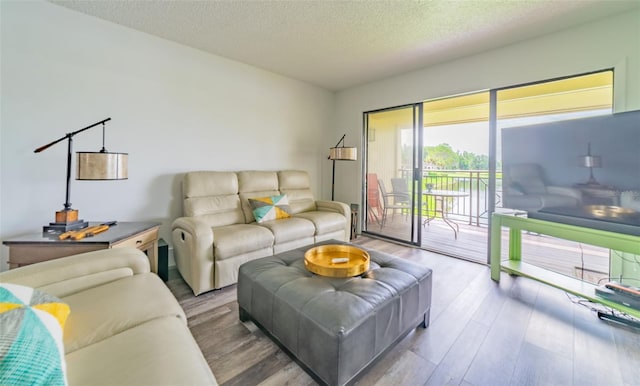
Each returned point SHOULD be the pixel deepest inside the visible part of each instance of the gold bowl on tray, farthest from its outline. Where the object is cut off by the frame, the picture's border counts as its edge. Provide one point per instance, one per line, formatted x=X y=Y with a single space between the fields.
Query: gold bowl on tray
x=608 y=211
x=335 y=260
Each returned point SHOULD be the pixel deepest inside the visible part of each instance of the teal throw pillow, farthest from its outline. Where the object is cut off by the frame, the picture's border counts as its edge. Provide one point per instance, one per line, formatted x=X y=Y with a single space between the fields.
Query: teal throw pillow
x=270 y=208
x=31 y=328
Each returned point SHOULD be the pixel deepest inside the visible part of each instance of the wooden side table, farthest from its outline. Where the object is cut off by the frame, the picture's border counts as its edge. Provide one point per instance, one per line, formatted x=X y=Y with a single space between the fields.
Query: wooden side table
x=37 y=247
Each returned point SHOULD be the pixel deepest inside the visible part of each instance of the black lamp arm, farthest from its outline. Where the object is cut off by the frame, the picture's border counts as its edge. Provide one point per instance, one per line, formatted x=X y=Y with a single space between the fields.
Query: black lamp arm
x=69 y=136
x=341 y=141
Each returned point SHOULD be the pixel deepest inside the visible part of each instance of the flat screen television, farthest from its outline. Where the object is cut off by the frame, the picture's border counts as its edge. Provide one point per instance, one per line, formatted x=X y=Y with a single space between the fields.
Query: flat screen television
x=583 y=171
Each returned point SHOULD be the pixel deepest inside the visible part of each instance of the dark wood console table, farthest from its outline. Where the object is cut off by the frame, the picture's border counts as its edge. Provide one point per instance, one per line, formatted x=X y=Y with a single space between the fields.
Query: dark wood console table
x=37 y=247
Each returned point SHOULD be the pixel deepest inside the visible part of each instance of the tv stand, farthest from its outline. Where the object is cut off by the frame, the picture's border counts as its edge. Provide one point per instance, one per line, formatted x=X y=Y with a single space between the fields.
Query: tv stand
x=515 y=266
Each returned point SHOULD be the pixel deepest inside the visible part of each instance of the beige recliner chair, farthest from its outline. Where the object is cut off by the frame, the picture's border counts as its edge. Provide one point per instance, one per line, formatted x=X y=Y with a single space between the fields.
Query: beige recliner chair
x=523 y=188
x=218 y=232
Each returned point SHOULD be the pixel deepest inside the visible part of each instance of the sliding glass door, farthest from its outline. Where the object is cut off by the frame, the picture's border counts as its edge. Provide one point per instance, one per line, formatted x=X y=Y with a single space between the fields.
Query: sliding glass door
x=433 y=170
x=391 y=194
x=455 y=175
x=532 y=156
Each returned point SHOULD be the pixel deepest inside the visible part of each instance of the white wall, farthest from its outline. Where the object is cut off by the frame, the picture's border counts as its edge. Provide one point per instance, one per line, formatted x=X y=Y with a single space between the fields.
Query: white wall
x=609 y=43
x=173 y=109
x=176 y=109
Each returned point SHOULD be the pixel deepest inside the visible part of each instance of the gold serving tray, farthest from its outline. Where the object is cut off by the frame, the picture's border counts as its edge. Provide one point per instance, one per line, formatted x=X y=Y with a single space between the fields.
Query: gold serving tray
x=319 y=260
x=607 y=211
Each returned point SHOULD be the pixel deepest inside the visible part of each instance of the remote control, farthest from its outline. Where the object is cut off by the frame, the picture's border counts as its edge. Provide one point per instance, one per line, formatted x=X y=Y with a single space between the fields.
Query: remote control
x=624 y=289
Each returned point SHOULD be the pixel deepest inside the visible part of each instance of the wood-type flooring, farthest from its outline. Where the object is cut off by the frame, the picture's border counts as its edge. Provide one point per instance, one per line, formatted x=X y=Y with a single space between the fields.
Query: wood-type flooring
x=516 y=332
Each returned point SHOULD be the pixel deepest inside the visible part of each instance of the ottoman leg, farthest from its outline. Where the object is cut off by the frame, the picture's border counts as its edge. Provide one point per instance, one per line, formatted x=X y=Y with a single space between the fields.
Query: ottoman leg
x=243 y=315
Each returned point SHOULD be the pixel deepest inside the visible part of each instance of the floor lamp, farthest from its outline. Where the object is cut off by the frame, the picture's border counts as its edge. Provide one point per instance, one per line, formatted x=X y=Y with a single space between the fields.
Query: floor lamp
x=340 y=153
x=101 y=165
x=591 y=161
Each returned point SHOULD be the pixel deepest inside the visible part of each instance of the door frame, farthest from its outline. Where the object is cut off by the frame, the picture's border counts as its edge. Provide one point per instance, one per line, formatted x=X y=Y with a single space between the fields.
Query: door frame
x=415 y=236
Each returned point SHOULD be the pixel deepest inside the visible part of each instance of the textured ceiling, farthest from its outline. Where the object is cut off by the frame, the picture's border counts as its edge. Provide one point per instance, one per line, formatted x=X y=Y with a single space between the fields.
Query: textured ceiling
x=339 y=44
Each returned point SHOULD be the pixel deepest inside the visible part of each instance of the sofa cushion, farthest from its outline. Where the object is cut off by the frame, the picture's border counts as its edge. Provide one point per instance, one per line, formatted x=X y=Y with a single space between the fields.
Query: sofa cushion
x=254 y=184
x=206 y=183
x=325 y=222
x=158 y=352
x=551 y=200
x=293 y=228
x=31 y=326
x=213 y=195
x=216 y=210
x=296 y=184
x=233 y=240
x=257 y=181
x=109 y=309
x=270 y=208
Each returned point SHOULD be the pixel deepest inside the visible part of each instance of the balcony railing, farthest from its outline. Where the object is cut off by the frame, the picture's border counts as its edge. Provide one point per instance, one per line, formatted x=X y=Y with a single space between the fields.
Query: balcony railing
x=472 y=208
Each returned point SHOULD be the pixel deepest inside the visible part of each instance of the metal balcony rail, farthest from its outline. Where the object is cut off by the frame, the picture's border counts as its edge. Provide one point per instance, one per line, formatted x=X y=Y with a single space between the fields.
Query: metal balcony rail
x=472 y=208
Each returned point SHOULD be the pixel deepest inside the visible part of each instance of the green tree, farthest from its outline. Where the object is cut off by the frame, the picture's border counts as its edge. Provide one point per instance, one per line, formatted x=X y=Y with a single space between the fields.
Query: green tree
x=480 y=162
x=444 y=157
x=441 y=155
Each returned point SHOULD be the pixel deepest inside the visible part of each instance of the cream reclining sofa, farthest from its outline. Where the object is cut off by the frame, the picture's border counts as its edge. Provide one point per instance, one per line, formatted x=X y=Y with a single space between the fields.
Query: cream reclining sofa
x=218 y=232
x=125 y=327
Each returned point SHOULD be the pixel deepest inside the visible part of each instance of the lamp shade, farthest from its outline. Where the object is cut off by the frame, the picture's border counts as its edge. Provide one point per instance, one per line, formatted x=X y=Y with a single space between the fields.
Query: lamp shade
x=102 y=166
x=590 y=161
x=343 y=153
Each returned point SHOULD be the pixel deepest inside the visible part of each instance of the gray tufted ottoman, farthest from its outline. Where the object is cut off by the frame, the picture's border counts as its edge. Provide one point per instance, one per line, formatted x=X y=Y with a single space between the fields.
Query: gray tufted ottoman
x=334 y=327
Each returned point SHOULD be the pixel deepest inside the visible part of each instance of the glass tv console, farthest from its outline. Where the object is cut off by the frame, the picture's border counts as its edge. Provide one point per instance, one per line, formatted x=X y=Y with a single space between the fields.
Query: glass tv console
x=514 y=265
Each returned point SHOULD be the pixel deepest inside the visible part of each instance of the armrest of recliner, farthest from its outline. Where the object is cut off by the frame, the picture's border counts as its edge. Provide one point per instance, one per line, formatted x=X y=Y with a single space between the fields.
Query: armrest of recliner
x=194 y=227
x=340 y=208
x=334 y=206
x=193 y=251
x=71 y=274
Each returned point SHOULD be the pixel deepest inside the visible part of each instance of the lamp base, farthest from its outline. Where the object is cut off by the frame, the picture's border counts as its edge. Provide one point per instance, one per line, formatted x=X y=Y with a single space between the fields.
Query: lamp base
x=66 y=216
x=55 y=227
x=66 y=220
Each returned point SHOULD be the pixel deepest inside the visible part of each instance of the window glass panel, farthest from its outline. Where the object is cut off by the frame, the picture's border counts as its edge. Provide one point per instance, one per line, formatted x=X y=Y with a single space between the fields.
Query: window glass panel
x=592 y=92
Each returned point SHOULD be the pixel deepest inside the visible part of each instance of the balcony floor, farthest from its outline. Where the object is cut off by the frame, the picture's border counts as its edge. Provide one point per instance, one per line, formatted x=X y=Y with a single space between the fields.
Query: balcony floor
x=588 y=262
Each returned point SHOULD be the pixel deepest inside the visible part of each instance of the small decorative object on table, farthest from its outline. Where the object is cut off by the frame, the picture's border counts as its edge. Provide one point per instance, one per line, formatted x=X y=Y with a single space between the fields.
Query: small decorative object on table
x=86 y=232
x=336 y=260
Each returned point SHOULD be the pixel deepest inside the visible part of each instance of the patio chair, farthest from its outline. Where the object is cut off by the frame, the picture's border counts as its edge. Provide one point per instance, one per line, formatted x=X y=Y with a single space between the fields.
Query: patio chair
x=400 y=188
x=374 y=206
x=392 y=201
